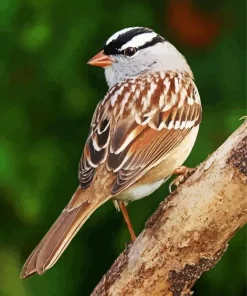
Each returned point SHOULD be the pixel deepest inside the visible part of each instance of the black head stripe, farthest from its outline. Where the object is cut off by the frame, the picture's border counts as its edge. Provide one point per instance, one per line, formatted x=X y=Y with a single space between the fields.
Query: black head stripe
x=114 y=46
x=154 y=41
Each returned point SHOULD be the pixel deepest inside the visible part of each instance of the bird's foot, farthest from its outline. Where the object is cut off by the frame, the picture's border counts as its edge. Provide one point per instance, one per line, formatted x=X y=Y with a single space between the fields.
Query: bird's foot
x=184 y=173
x=124 y=211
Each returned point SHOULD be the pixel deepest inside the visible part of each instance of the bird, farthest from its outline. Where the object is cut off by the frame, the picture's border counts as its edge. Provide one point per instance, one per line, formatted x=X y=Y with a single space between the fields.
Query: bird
x=141 y=133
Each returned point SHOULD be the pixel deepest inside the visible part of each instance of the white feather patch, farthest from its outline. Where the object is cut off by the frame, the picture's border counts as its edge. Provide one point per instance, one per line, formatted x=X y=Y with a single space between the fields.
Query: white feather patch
x=133 y=87
x=167 y=83
x=190 y=101
x=115 y=96
x=176 y=85
x=162 y=100
x=129 y=139
x=189 y=124
x=153 y=87
x=166 y=107
x=124 y=101
x=162 y=125
x=177 y=124
x=162 y=75
x=151 y=113
x=139 y=191
x=170 y=125
x=139 y=40
x=115 y=36
x=137 y=94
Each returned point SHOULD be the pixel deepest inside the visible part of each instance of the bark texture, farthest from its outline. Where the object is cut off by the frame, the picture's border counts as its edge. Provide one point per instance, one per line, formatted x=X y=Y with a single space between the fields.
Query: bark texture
x=190 y=230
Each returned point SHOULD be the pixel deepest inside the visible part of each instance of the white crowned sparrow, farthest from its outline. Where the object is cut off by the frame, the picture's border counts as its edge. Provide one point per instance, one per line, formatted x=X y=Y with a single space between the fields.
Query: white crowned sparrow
x=143 y=129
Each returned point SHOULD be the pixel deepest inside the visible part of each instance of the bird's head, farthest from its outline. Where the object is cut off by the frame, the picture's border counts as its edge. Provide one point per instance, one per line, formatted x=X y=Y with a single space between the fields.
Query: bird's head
x=133 y=51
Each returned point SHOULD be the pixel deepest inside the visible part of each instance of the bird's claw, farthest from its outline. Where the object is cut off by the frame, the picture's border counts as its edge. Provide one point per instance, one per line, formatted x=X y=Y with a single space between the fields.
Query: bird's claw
x=184 y=173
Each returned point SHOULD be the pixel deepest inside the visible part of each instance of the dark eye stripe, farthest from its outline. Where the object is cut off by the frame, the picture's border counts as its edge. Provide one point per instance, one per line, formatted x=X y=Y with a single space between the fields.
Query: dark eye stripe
x=154 y=41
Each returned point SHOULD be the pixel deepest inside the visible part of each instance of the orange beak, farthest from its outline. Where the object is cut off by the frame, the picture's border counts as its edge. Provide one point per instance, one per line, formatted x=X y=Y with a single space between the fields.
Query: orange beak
x=100 y=60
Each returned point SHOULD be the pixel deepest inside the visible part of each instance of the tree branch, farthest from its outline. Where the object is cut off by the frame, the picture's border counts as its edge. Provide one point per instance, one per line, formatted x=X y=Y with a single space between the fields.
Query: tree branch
x=190 y=230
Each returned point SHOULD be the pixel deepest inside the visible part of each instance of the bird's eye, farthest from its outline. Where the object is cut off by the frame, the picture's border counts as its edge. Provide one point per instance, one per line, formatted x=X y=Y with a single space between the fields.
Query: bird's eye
x=130 y=51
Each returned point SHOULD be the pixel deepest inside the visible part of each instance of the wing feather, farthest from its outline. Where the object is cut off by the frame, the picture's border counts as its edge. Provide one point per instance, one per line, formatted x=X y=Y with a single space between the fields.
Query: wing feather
x=138 y=124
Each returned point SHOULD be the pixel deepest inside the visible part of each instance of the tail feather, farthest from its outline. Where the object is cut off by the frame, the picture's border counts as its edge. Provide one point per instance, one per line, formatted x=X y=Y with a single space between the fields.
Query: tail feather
x=51 y=247
x=29 y=267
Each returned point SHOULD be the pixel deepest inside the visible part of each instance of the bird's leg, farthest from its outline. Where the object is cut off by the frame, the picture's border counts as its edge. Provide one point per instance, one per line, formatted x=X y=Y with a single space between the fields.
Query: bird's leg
x=184 y=173
x=123 y=209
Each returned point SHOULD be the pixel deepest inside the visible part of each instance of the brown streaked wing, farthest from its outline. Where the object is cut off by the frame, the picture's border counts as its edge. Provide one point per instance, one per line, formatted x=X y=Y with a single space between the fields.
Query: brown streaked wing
x=95 y=150
x=143 y=154
x=136 y=148
x=138 y=124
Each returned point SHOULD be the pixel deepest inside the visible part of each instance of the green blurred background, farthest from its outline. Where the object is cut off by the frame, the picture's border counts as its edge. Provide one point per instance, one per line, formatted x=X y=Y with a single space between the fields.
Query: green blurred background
x=48 y=95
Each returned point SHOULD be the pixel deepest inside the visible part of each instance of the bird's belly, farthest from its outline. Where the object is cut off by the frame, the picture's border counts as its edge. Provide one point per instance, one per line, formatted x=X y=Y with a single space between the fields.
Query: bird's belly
x=139 y=191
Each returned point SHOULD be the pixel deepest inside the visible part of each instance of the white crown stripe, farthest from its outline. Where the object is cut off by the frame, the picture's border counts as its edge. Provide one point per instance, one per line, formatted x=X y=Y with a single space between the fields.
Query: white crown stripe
x=115 y=36
x=139 y=40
